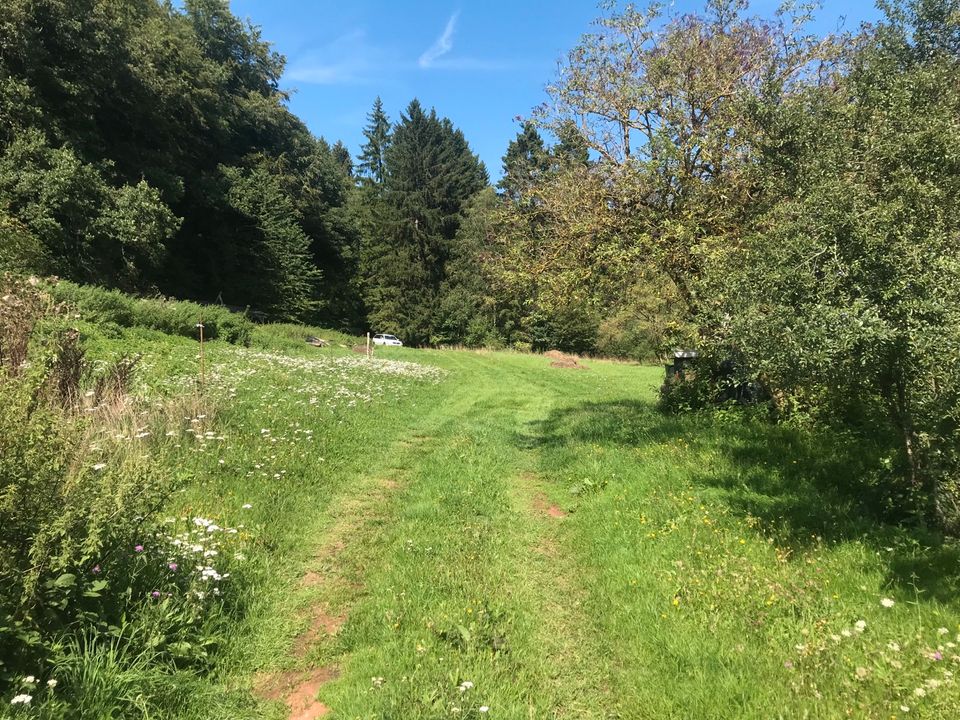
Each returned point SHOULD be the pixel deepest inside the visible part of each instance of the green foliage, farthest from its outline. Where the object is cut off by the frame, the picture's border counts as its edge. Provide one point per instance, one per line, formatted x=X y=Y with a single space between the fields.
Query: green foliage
x=341 y=156
x=88 y=229
x=134 y=138
x=169 y=316
x=20 y=250
x=99 y=593
x=570 y=328
x=373 y=153
x=524 y=164
x=844 y=298
x=60 y=517
x=529 y=162
x=800 y=196
x=468 y=312
x=660 y=99
x=593 y=507
x=275 y=258
x=431 y=174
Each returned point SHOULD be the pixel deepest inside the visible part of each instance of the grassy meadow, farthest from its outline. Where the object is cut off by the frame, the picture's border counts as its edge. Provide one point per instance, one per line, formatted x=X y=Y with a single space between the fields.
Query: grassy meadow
x=454 y=534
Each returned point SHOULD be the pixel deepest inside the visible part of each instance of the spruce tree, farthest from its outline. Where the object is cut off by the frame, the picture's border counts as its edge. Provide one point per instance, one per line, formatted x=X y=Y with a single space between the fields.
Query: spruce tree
x=342 y=158
x=430 y=174
x=373 y=152
x=525 y=162
x=572 y=150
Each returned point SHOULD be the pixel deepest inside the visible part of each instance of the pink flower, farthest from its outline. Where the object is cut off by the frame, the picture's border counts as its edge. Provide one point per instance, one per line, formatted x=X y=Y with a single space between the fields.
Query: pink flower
x=95 y=570
x=155 y=594
x=138 y=548
x=173 y=566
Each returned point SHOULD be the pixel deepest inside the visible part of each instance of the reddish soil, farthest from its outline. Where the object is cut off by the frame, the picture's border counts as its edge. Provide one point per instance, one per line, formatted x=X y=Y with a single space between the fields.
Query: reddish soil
x=541 y=504
x=299 y=690
x=303 y=702
x=321 y=623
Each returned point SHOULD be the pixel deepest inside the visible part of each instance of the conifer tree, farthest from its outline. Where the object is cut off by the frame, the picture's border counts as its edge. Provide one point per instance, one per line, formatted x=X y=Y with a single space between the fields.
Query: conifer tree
x=430 y=175
x=373 y=152
x=525 y=162
x=342 y=158
x=572 y=150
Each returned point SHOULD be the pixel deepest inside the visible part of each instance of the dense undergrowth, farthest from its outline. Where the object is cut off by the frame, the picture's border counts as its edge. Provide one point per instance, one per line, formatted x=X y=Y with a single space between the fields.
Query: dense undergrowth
x=111 y=310
x=98 y=584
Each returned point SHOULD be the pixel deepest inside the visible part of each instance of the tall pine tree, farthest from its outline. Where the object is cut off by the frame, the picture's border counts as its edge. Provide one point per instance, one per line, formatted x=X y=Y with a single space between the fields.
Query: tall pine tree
x=373 y=152
x=430 y=174
x=526 y=162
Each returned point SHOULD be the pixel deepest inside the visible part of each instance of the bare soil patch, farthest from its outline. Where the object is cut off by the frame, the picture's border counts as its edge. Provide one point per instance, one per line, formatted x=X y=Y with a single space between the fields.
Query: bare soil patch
x=322 y=623
x=311 y=579
x=542 y=505
x=298 y=689
x=330 y=552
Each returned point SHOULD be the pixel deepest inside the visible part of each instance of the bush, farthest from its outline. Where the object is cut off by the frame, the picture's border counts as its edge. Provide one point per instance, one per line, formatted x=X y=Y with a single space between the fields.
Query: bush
x=569 y=328
x=174 y=317
x=20 y=250
x=87 y=563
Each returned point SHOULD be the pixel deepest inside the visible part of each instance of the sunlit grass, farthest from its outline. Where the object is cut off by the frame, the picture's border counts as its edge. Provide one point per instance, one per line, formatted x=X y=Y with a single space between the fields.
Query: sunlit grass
x=491 y=537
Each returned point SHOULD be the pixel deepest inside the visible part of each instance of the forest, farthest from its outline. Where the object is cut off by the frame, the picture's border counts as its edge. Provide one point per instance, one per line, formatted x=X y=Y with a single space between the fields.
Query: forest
x=784 y=203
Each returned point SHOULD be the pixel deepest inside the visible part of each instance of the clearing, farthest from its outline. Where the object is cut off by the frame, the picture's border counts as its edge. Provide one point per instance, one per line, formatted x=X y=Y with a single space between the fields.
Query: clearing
x=481 y=535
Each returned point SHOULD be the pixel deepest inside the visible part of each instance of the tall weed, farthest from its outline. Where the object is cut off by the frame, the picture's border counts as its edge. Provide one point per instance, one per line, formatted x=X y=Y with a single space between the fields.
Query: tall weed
x=91 y=574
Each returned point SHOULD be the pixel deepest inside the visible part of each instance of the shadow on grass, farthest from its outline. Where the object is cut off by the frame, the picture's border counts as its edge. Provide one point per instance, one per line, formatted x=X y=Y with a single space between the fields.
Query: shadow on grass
x=800 y=485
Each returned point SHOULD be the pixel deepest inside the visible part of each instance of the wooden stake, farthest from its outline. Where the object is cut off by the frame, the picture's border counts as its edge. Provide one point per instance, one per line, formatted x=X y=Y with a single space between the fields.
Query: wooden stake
x=202 y=378
x=368 y=346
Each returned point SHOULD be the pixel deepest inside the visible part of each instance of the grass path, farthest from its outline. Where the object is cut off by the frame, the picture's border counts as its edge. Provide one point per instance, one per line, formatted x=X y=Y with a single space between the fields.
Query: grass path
x=521 y=541
x=448 y=570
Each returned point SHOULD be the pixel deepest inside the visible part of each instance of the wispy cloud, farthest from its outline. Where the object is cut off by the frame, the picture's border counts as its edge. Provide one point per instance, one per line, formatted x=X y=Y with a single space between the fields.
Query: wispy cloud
x=347 y=60
x=354 y=59
x=441 y=46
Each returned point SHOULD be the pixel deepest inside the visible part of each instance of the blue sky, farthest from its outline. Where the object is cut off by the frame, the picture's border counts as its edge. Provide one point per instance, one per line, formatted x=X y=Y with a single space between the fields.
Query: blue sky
x=481 y=63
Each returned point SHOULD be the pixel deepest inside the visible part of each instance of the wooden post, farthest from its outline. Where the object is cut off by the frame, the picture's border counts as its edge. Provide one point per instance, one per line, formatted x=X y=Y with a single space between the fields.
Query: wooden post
x=200 y=326
x=368 y=346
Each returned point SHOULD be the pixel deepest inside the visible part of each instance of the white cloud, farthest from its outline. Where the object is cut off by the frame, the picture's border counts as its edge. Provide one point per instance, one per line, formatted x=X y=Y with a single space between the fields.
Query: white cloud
x=353 y=59
x=347 y=60
x=442 y=46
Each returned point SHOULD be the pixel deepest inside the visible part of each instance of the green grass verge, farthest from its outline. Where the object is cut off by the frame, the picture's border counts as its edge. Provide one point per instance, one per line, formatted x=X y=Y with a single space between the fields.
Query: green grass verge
x=507 y=539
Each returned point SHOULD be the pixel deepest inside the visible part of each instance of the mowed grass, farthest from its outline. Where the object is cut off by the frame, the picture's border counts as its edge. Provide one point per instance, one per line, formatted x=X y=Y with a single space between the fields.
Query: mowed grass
x=506 y=539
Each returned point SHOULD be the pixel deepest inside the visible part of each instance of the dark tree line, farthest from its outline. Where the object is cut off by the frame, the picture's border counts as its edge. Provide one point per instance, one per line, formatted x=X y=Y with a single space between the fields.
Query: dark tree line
x=150 y=148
